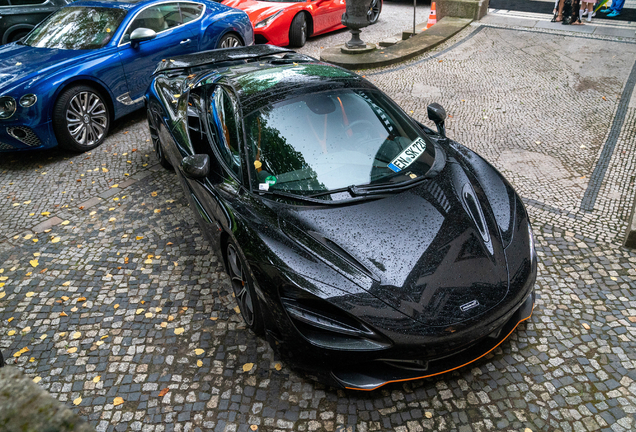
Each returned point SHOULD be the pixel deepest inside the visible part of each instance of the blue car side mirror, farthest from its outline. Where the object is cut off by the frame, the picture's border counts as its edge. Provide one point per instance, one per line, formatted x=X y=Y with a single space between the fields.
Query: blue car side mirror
x=141 y=34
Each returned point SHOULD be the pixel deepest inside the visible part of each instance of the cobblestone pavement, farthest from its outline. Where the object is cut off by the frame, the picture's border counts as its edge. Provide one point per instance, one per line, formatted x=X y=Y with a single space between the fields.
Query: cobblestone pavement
x=129 y=320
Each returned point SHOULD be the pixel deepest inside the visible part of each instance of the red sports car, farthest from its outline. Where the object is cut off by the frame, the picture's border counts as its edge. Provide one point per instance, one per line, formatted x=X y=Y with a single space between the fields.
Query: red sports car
x=288 y=22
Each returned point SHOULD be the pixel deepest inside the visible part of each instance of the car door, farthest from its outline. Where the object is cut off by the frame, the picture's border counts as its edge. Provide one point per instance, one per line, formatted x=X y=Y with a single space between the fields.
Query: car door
x=327 y=14
x=173 y=38
x=214 y=195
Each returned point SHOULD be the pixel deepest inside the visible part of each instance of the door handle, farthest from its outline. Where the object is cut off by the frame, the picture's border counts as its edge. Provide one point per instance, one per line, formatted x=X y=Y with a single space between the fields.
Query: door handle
x=185 y=41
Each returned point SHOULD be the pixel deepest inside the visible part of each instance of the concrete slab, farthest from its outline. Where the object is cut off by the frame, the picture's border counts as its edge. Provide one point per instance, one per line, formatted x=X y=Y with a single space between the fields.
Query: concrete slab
x=616 y=32
x=569 y=28
x=128 y=182
x=141 y=175
x=508 y=21
x=89 y=203
x=109 y=193
x=444 y=29
x=47 y=224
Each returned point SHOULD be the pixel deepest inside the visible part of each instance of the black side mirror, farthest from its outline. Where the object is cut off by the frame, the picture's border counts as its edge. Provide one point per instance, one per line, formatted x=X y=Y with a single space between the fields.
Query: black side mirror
x=196 y=166
x=437 y=114
x=141 y=34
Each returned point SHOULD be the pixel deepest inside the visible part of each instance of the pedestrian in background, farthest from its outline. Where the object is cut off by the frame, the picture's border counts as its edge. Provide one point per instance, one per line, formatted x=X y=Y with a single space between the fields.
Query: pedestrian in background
x=568 y=12
x=587 y=8
x=615 y=9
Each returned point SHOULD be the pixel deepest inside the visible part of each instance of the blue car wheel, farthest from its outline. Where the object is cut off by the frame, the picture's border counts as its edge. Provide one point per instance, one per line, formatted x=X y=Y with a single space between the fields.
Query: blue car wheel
x=81 y=118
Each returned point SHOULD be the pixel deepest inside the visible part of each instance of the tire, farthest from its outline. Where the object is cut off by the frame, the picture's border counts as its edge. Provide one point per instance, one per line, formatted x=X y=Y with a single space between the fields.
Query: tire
x=81 y=118
x=17 y=35
x=156 y=142
x=375 y=8
x=243 y=288
x=298 y=31
x=230 y=40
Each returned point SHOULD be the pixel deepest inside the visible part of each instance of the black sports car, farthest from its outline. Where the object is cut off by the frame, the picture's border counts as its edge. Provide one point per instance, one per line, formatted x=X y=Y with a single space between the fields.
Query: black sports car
x=18 y=17
x=367 y=248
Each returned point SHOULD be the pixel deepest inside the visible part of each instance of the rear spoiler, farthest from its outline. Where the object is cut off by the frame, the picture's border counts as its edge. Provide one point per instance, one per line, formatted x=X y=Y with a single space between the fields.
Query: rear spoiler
x=253 y=52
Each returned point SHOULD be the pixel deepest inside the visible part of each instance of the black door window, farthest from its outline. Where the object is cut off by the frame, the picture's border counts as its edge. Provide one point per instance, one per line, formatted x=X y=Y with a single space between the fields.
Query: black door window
x=224 y=120
x=191 y=11
x=157 y=18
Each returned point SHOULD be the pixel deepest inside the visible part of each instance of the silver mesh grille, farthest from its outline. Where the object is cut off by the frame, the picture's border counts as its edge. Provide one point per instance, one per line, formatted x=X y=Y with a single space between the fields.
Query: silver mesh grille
x=24 y=135
x=4 y=146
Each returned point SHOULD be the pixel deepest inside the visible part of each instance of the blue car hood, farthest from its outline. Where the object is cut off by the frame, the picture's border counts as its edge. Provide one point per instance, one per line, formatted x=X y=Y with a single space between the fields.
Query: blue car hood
x=28 y=65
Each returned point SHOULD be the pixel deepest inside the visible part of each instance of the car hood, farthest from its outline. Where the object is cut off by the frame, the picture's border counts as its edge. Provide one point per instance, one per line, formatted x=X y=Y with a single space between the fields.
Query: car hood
x=21 y=63
x=258 y=10
x=435 y=249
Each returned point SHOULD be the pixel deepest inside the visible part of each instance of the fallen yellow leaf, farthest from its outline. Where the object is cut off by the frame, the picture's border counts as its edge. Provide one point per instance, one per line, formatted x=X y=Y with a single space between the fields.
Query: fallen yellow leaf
x=65 y=298
x=104 y=170
x=71 y=350
x=77 y=401
x=428 y=415
x=278 y=366
x=112 y=219
x=163 y=324
x=66 y=222
x=253 y=427
x=139 y=311
x=34 y=263
x=157 y=211
x=67 y=283
x=586 y=326
x=148 y=261
x=116 y=306
x=199 y=351
x=37 y=379
x=118 y=401
x=26 y=329
x=32 y=359
x=43 y=336
x=11 y=332
x=237 y=309
x=55 y=239
x=74 y=309
x=170 y=318
x=30 y=294
x=104 y=337
x=2 y=294
x=99 y=343
x=148 y=315
x=179 y=330
x=63 y=314
x=4 y=278
x=96 y=379
x=77 y=335
x=199 y=363
x=248 y=367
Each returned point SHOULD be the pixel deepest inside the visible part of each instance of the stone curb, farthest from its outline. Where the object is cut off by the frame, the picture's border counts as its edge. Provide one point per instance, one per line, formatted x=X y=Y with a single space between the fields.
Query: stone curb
x=25 y=406
x=418 y=44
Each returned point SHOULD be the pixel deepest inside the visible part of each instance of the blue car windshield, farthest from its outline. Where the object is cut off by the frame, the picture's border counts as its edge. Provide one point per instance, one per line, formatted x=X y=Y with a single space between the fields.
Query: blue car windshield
x=77 y=28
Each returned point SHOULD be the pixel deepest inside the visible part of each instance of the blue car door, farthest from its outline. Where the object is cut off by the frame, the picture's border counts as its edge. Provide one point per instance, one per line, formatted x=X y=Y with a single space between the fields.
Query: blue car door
x=173 y=38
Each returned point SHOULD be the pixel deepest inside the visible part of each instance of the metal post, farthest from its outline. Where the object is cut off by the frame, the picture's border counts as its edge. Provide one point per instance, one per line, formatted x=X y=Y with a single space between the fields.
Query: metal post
x=414 y=6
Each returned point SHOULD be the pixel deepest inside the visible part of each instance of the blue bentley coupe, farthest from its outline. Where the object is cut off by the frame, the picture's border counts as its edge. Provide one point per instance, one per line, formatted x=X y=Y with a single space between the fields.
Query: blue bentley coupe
x=91 y=62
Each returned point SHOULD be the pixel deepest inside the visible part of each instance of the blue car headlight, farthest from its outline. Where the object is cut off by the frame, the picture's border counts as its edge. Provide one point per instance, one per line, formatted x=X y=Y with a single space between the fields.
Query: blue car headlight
x=28 y=100
x=7 y=107
x=267 y=21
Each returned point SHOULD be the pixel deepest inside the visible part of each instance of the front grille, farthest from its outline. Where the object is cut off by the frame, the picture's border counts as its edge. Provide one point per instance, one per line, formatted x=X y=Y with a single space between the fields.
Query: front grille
x=25 y=135
x=4 y=146
x=260 y=39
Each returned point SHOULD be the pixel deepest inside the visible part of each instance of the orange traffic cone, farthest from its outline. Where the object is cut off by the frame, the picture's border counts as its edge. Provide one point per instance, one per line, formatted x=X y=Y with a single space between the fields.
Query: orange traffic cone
x=432 y=17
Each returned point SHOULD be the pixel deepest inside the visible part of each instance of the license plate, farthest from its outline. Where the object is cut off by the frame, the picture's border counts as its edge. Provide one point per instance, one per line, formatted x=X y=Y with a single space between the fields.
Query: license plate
x=408 y=156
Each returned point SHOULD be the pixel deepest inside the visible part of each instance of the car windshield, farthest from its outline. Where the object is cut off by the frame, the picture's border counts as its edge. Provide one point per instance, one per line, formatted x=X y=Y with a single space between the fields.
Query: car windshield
x=77 y=28
x=321 y=142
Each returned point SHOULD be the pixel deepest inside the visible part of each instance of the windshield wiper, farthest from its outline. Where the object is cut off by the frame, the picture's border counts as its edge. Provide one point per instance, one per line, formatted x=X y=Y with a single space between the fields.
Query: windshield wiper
x=313 y=200
x=366 y=190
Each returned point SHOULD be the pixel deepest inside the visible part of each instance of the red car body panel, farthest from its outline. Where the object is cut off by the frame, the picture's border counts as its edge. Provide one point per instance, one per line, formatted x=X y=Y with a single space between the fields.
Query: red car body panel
x=326 y=16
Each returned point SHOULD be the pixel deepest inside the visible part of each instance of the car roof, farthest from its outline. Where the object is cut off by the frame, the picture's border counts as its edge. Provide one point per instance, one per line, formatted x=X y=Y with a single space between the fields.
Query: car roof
x=119 y=4
x=264 y=74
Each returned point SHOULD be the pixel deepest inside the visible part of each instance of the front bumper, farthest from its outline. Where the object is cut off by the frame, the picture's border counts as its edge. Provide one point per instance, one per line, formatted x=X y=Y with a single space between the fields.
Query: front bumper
x=16 y=136
x=374 y=374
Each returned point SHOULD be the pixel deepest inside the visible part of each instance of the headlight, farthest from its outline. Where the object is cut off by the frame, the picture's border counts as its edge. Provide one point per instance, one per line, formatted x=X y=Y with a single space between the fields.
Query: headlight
x=28 y=100
x=267 y=21
x=7 y=107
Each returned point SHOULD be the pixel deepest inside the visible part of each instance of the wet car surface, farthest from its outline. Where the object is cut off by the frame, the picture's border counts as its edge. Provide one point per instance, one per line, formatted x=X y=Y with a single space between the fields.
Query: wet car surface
x=364 y=246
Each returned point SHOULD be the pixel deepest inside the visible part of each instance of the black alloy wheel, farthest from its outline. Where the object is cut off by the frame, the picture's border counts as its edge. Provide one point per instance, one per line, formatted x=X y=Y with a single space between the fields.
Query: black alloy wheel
x=81 y=118
x=298 y=31
x=373 y=14
x=230 y=40
x=243 y=290
x=156 y=142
